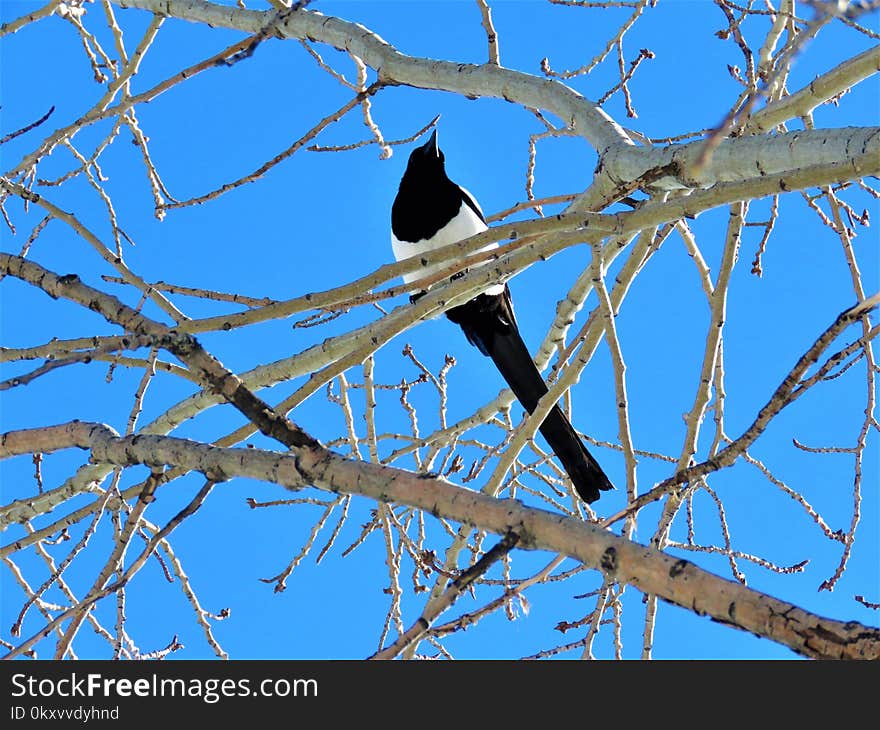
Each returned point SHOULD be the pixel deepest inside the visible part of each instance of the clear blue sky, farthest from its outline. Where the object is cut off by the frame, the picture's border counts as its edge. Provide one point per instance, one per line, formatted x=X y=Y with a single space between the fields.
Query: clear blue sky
x=317 y=221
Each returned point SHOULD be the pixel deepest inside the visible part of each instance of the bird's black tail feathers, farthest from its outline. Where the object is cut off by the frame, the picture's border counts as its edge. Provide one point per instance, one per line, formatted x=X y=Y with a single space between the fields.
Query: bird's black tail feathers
x=512 y=358
x=489 y=324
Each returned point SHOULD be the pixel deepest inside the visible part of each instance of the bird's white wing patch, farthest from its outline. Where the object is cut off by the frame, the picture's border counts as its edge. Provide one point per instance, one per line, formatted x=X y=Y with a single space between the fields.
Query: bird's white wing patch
x=466 y=223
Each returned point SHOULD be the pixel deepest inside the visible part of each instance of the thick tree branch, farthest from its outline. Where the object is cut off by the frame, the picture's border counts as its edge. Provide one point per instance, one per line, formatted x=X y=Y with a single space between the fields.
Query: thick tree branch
x=742 y=158
x=394 y=67
x=651 y=571
x=622 y=161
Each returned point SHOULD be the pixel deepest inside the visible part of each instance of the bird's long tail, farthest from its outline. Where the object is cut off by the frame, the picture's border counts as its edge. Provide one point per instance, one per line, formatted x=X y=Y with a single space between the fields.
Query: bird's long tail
x=512 y=358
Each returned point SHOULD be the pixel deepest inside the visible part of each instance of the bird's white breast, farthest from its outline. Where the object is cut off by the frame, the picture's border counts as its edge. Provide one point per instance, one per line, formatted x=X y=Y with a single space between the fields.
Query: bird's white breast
x=466 y=223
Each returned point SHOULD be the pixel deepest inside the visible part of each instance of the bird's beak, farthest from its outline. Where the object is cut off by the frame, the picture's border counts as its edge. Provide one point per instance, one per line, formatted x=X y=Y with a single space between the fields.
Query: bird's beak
x=431 y=146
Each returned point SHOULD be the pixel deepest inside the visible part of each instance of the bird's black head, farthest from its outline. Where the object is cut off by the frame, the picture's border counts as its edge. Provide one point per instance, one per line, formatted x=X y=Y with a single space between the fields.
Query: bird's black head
x=427 y=161
x=426 y=199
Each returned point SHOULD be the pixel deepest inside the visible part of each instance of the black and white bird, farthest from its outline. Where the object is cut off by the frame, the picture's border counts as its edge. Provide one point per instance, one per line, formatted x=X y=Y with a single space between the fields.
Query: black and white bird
x=431 y=211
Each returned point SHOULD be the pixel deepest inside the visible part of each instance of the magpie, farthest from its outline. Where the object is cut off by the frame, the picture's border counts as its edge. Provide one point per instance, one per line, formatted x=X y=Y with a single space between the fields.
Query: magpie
x=431 y=211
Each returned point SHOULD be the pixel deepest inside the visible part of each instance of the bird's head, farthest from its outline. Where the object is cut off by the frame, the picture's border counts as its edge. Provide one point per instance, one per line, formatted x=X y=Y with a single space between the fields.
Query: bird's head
x=427 y=161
